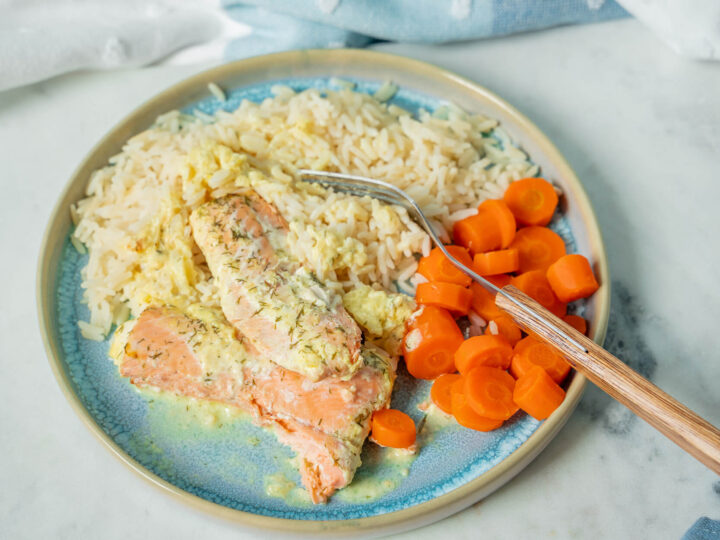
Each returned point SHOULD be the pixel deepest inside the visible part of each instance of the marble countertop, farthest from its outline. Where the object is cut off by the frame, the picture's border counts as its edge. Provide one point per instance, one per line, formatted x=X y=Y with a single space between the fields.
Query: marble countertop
x=640 y=126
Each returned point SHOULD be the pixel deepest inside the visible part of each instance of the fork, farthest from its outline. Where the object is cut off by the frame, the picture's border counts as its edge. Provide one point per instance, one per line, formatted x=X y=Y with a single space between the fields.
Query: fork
x=673 y=419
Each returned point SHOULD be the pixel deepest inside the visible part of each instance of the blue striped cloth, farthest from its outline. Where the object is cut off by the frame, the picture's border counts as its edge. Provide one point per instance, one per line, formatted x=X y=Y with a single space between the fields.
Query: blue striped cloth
x=292 y=24
x=703 y=529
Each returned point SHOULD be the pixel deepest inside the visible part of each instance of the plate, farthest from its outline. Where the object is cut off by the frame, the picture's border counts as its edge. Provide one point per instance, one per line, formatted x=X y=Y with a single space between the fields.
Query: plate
x=225 y=471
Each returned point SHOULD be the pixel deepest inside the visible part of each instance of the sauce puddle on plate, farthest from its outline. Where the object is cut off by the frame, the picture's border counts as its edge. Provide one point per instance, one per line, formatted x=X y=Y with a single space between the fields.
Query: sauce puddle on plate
x=177 y=420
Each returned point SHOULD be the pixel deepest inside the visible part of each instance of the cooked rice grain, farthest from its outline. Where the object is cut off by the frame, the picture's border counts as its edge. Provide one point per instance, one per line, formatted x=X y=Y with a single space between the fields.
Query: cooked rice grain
x=134 y=221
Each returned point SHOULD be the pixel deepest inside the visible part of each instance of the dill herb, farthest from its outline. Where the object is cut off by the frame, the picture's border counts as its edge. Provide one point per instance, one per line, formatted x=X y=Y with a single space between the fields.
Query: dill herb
x=238 y=233
x=421 y=424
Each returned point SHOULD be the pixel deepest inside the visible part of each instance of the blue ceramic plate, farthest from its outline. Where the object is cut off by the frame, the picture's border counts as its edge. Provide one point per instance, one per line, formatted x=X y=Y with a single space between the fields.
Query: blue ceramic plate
x=239 y=468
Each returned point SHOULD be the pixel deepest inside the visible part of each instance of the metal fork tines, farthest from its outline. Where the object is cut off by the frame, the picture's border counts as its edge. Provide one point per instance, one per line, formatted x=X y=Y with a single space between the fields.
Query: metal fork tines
x=362 y=186
x=358 y=185
x=360 y=191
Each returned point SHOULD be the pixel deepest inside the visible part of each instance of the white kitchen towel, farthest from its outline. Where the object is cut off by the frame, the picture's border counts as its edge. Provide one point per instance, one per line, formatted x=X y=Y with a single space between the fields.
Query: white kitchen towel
x=43 y=38
x=690 y=27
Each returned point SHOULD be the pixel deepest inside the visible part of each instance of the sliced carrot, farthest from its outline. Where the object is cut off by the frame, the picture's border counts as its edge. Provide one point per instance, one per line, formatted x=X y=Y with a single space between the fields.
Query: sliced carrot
x=537 y=394
x=483 y=302
x=500 y=280
x=503 y=217
x=440 y=392
x=464 y=413
x=538 y=248
x=430 y=343
x=489 y=391
x=572 y=278
x=478 y=233
x=496 y=262
x=493 y=227
x=536 y=286
x=504 y=326
x=577 y=322
x=437 y=267
x=531 y=200
x=450 y=296
x=486 y=350
x=530 y=352
x=393 y=428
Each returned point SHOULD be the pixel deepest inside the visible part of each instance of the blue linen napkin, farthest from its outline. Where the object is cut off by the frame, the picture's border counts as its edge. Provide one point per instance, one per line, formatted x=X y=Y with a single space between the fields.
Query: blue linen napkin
x=703 y=529
x=291 y=24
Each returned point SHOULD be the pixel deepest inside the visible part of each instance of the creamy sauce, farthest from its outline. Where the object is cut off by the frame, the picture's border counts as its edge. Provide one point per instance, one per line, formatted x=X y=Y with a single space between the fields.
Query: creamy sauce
x=382 y=471
x=175 y=420
x=223 y=353
x=365 y=489
x=180 y=413
x=381 y=314
x=435 y=421
x=280 y=486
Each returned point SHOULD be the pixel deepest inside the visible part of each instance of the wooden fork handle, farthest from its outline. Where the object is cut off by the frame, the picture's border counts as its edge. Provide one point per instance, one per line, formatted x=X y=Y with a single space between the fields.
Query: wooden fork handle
x=681 y=425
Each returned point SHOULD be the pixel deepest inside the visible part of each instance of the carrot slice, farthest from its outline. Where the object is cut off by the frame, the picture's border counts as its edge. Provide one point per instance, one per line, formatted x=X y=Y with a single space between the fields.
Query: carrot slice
x=496 y=262
x=530 y=352
x=486 y=350
x=536 y=286
x=499 y=280
x=430 y=343
x=478 y=233
x=489 y=392
x=572 y=278
x=450 y=296
x=538 y=248
x=503 y=217
x=464 y=413
x=440 y=392
x=393 y=428
x=531 y=200
x=537 y=394
x=504 y=326
x=437 y=267
x=483 y=302
x=577 y=322
x=493 y=227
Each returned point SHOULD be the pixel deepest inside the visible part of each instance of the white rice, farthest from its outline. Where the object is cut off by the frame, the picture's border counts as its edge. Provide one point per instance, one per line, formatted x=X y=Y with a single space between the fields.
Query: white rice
x=386 y=91
x=216 y=91
x=134 y=221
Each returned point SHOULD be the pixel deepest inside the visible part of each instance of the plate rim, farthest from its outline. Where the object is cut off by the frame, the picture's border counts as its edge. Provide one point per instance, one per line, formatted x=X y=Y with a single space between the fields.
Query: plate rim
x=420 y=514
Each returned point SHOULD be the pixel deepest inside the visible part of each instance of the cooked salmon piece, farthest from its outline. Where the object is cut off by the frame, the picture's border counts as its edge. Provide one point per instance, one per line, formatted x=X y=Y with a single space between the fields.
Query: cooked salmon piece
x=279 y=306
x=196 y=354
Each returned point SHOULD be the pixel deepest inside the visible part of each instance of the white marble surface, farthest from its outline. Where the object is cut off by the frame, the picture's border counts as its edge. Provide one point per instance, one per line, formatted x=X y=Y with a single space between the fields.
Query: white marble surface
x=642 y=129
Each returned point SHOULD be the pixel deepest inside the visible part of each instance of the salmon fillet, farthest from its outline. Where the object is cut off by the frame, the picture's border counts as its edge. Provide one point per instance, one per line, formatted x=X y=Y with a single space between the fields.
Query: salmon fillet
x=196 y=354
x=281 y=308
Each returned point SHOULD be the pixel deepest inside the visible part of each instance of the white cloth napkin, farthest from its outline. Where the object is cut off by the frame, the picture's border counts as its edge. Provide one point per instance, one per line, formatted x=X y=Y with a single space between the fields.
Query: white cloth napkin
x=690 y=27
x=43 y=38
